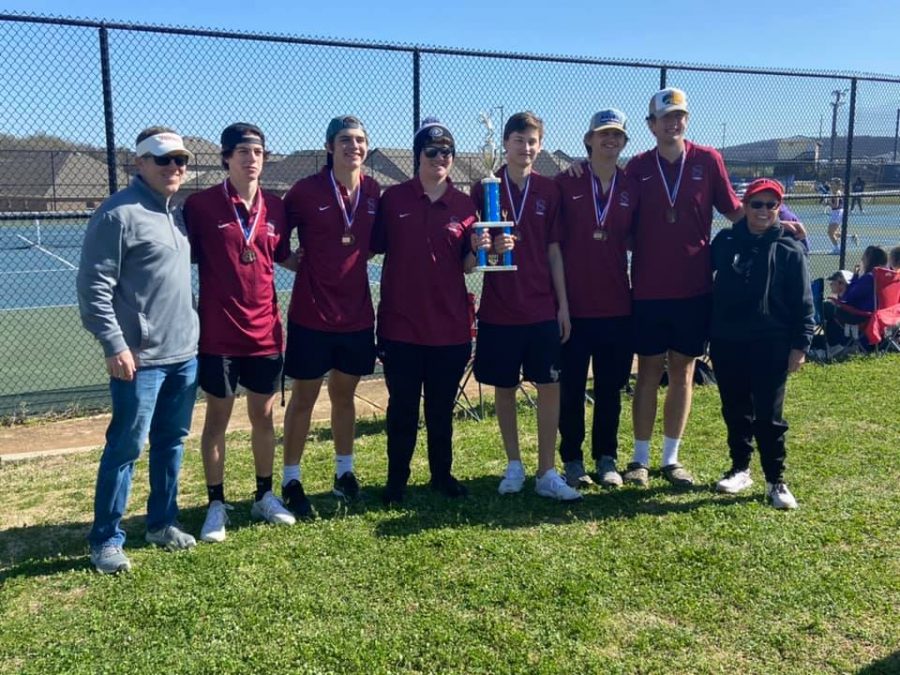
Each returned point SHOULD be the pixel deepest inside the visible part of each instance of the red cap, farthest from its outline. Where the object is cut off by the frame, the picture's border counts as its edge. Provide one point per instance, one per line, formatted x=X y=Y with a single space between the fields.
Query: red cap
x=761 y=185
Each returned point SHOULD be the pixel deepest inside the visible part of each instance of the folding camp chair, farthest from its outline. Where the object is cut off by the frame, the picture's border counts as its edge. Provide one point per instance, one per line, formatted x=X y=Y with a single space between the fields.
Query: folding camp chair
x=883 y=328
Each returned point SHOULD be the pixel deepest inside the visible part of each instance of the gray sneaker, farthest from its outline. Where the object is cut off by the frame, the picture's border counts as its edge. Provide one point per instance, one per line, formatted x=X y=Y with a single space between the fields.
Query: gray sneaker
x=110 y=559
x=576 y=476
x=677 y=475
x=637 y=474
x=606 y=472
x=170 y=538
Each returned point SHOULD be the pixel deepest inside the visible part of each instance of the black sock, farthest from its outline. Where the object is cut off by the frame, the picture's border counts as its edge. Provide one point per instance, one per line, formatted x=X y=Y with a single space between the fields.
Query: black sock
x=263 y=485
x=215 y=493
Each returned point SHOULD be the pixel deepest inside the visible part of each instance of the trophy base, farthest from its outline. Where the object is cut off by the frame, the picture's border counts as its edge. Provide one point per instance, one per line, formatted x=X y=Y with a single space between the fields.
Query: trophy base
x=493 y=225
x=497 y=268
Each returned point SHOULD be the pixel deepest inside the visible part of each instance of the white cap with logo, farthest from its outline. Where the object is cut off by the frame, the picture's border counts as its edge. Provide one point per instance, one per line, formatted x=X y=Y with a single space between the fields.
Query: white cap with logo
x=666 y=101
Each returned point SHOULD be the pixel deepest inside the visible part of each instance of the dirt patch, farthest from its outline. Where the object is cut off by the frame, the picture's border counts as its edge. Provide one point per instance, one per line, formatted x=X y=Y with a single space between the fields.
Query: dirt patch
x=88 y=432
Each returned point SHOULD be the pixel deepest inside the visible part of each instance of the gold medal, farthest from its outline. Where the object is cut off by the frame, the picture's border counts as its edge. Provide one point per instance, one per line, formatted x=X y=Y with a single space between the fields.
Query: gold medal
x=348 y=239
x=600 y=235
x=671 y=215
x=248 y=255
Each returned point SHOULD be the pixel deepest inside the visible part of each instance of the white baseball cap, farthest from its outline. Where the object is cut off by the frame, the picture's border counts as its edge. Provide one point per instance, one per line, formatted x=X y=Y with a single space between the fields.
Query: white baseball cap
x=162 y=144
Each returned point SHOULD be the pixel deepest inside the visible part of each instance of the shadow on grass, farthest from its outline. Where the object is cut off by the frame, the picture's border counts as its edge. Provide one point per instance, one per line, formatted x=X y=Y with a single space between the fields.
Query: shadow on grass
x=39 y=550
x=424 y=509
x=889 y=664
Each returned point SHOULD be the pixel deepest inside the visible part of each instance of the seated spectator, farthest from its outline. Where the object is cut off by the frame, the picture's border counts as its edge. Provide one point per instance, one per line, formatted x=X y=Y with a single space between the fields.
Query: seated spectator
x=838 y=283
x=894 y=258
x=850 y=307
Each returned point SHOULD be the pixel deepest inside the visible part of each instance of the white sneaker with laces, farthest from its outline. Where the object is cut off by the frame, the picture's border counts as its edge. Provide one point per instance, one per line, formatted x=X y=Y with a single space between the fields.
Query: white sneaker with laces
x=734 y=481
x=552 y=485
x=513 y=479
x=271 y=510
x=780 y=496
x=213 y=530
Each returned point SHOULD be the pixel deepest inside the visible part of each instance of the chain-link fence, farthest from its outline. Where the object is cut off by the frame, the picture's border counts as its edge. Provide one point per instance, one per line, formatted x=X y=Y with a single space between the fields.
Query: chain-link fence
x=76 y=94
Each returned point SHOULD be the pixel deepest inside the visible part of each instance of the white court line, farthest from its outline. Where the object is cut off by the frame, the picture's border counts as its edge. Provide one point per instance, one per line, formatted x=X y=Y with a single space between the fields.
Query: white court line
x=43 y=250
x=47 y=271
x=17 y=309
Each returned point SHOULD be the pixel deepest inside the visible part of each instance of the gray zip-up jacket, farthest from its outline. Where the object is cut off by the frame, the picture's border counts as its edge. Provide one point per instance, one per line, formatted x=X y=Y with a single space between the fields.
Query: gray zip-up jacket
x=134 y=280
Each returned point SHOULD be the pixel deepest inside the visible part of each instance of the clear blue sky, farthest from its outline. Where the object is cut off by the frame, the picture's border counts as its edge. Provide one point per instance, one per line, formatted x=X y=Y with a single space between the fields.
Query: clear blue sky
x=859 y=35
x=52 y=83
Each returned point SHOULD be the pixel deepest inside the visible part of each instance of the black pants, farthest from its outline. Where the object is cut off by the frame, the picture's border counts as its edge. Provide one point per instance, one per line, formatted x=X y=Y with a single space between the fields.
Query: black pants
x=608 y=342
x=835 y=320
x=854 y=202
x=409 y=370
x=752 y=378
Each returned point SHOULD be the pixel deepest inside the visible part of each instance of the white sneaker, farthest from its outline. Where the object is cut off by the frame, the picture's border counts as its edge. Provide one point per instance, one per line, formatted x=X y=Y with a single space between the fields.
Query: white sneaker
x=271 y=510
x=734 y=481
x=213 y=530
x=513 y=479
x=780 y=496
x=552 y=485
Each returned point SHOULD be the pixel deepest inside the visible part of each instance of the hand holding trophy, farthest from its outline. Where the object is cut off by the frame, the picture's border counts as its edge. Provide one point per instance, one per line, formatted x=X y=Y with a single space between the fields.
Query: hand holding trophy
x=490 y=209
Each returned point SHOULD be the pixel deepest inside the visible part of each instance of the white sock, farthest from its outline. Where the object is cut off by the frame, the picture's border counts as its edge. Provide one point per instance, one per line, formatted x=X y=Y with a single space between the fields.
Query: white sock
x=291 y=472
x=670 y=450
x=343 y=464
x=641 y=452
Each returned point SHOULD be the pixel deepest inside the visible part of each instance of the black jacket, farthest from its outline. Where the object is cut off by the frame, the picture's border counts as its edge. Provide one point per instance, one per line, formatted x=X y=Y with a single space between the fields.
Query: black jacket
x=761 y=287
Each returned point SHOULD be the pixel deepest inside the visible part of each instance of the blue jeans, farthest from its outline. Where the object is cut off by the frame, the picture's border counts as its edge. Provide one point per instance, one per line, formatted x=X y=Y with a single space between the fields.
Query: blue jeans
x=157 y=403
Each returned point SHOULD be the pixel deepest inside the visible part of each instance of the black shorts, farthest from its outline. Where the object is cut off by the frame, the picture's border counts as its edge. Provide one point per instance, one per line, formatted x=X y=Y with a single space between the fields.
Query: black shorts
x=312 y=353
x=219 y=376
x=680 y=325
x=502 y=352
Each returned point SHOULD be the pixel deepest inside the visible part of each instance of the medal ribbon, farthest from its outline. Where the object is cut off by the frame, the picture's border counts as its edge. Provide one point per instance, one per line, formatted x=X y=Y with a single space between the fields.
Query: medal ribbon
x=248 y=236
x=672 y=194
x=517 y=213
x=348 y=219
x=600 y=214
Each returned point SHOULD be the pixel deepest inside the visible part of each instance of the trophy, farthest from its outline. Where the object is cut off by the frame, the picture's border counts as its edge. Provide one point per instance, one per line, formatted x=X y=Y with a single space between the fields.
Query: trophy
x=490 y=209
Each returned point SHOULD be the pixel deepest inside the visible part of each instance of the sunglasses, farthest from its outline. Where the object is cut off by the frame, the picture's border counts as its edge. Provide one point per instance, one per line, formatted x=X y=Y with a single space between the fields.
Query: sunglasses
x=432 y=152
x=165 y=160
x=757 y=204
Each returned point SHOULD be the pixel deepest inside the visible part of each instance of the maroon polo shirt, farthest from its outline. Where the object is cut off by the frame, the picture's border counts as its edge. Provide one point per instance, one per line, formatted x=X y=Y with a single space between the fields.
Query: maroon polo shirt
x=526 y=295
x=672 y=260
x=596 y=269
x=331 y=287
x=424 y=300
x=238 y=307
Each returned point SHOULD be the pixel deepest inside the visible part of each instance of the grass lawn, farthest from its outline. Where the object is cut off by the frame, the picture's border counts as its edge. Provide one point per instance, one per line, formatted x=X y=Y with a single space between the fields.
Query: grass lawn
x=636 y=581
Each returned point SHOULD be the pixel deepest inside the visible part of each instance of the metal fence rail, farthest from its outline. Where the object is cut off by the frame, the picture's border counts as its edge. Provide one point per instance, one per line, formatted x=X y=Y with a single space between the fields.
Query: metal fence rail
x=77 y=92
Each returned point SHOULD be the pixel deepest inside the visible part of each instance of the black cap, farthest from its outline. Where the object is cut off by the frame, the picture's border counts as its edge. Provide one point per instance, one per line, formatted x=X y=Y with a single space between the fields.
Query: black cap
x=241 y=132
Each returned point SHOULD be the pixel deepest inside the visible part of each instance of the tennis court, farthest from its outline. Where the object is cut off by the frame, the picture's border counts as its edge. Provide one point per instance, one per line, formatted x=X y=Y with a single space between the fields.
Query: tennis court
x=48 y=361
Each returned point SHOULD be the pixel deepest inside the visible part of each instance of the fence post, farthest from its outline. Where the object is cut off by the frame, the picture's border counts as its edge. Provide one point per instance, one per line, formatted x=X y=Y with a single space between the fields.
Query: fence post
x=417 y=84
x=108 y=111
x=847 y=168
x=662 y=77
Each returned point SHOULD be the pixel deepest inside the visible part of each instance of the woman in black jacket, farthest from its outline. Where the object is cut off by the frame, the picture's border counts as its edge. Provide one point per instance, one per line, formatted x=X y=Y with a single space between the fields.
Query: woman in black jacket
x=761 y=330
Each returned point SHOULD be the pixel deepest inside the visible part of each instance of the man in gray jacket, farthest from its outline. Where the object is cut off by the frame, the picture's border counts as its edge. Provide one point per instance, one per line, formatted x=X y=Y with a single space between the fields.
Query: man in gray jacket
x=135 y=297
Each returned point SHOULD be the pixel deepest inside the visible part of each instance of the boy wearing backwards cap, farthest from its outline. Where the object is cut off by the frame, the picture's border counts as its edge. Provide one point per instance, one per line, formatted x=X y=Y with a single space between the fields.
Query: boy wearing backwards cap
x=235 y=229
x=330 y=319
x=680 y=183
x=596 y=217
x=135 y=297
x=762 y=326
x=524 y=315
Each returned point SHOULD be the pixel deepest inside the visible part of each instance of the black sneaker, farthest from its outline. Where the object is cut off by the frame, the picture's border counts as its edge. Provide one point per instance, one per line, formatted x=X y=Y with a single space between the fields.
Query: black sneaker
x=296 y=500
x=449 y=487
x=346 y=486
x=393 y=494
